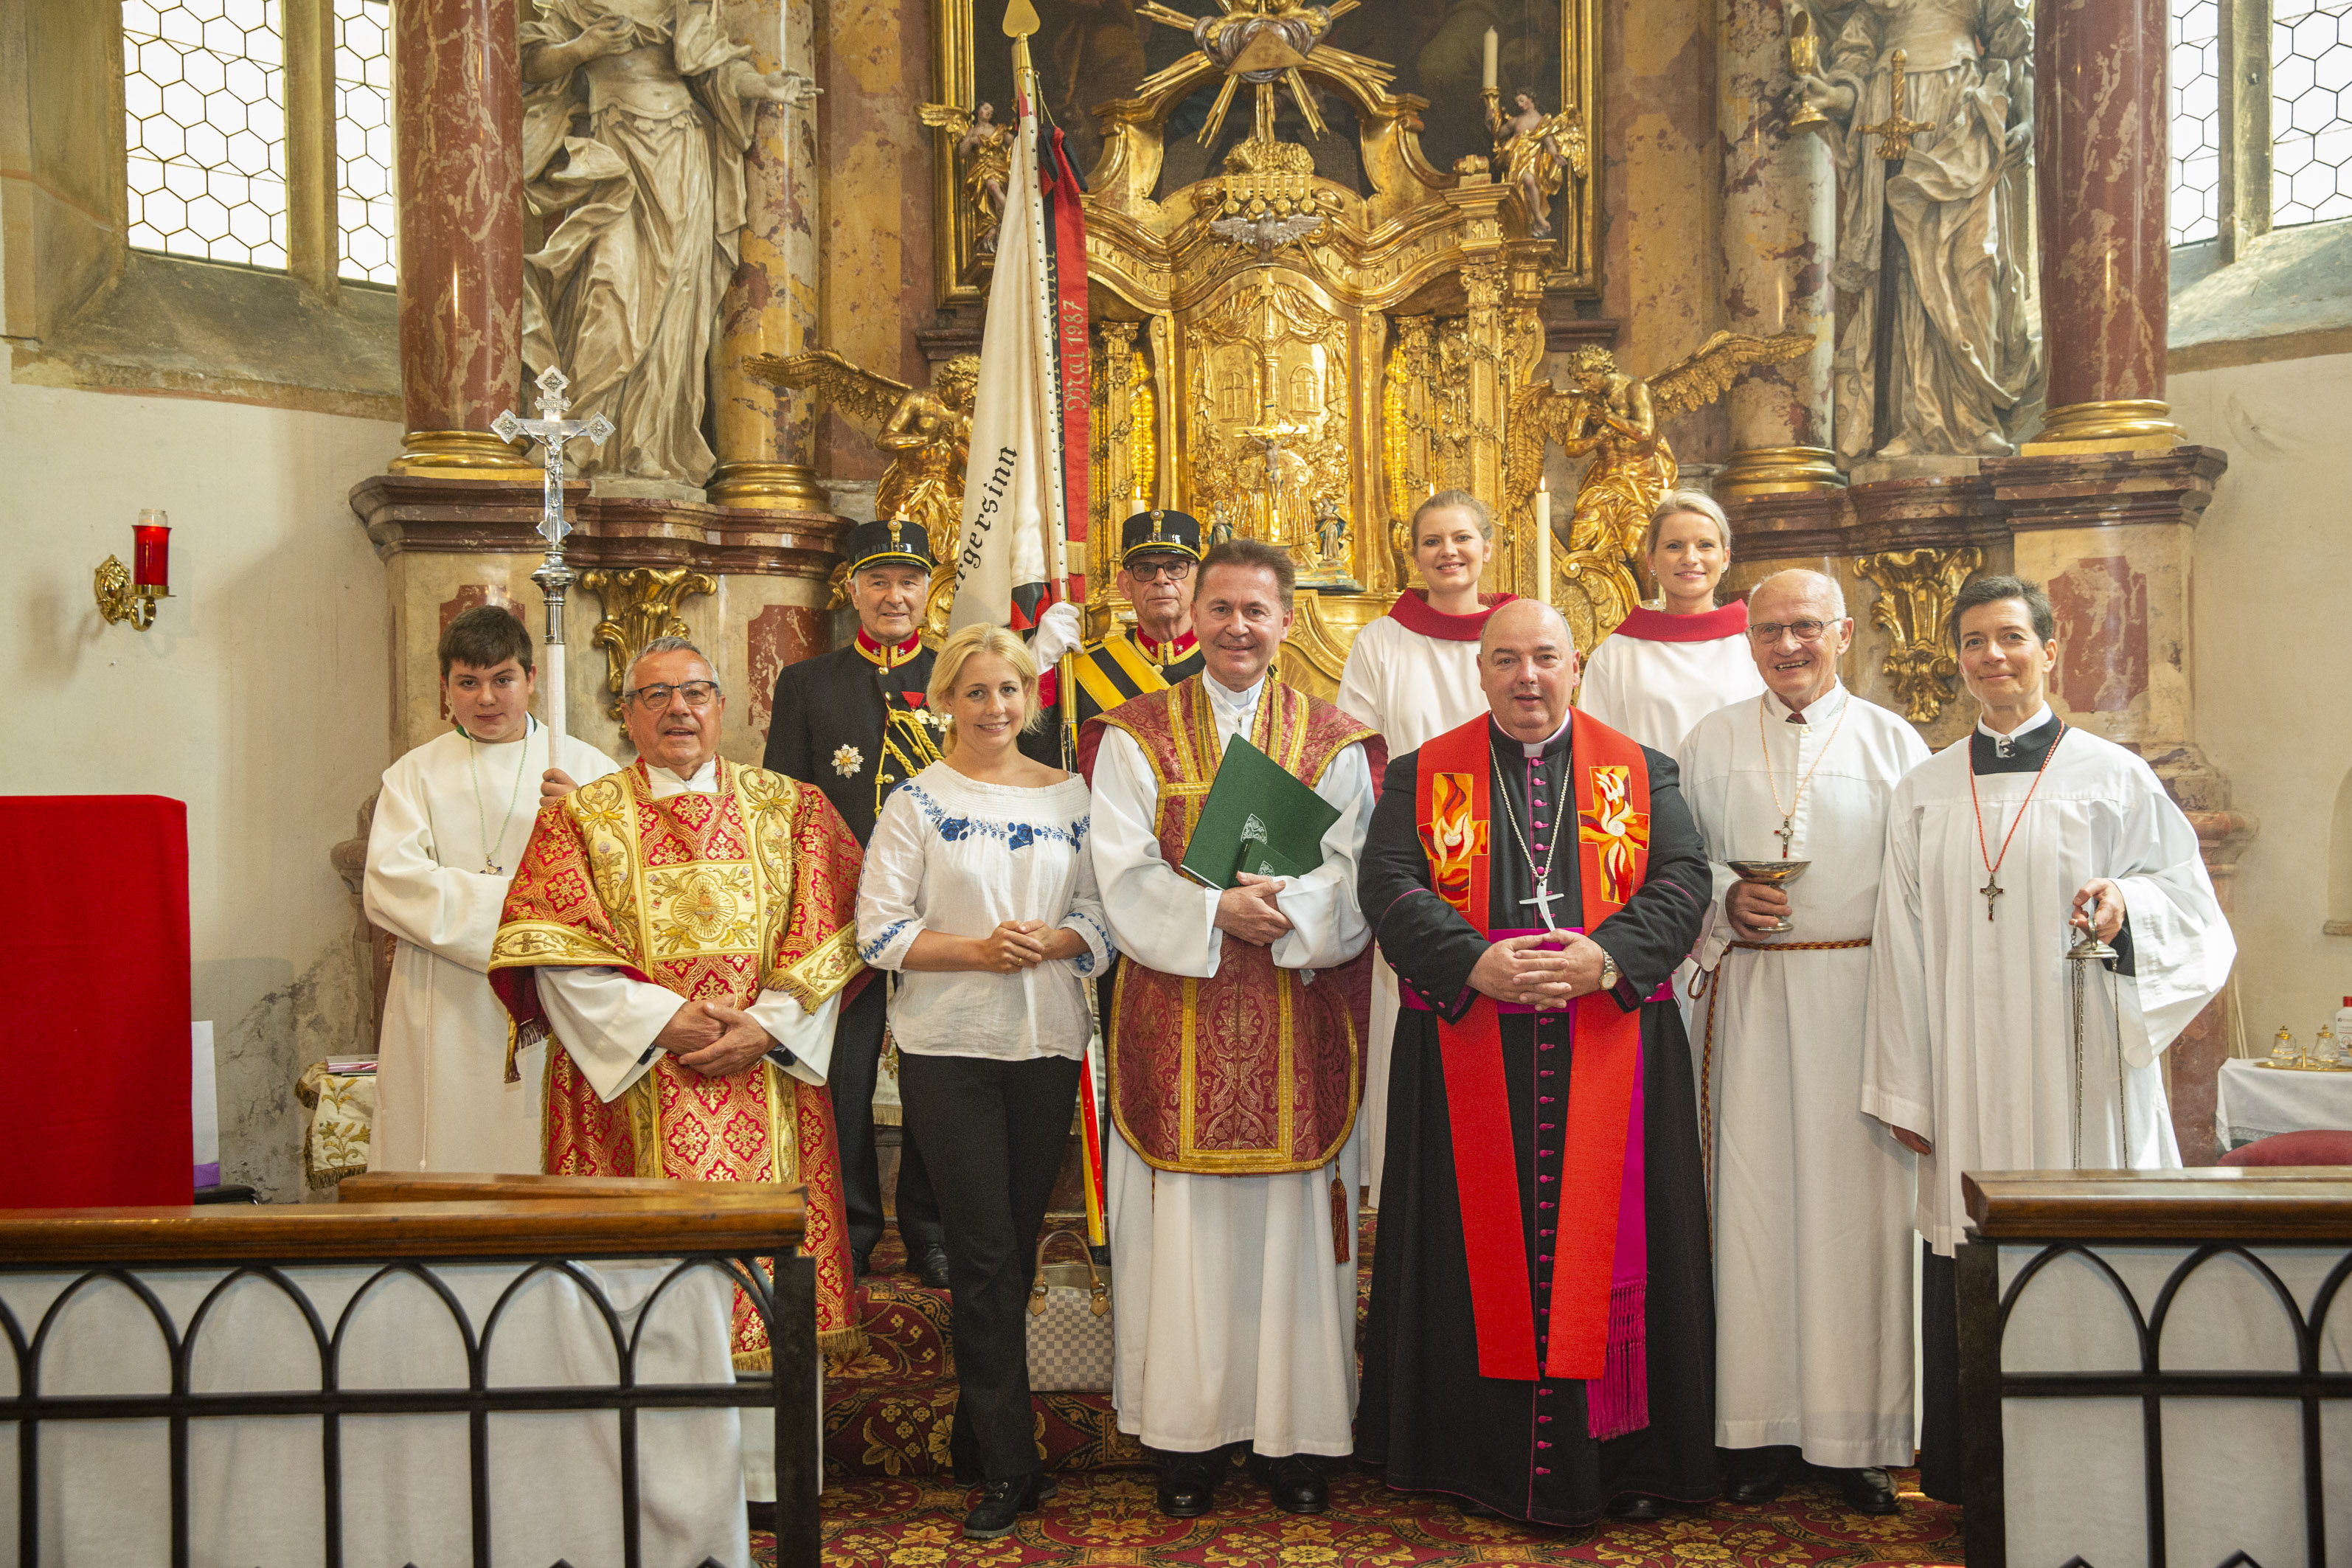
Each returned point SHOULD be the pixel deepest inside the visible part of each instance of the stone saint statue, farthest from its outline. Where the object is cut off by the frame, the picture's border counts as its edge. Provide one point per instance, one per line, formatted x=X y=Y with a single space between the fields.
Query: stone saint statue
x=1929 y=106
x=637 y=118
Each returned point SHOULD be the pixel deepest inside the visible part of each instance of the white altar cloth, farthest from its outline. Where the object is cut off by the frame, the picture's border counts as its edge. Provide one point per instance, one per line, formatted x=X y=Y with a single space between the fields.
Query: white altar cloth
x=2252 y=1102
x=256 y=1483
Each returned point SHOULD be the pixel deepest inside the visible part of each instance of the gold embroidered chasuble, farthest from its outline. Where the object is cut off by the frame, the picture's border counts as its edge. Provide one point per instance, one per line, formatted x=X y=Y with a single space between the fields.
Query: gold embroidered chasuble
x=718 y=896
x=1254 y=1071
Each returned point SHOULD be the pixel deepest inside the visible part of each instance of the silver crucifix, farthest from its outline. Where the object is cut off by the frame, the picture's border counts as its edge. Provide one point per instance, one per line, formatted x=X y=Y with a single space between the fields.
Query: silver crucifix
x=553 y=432
x=1543 y=903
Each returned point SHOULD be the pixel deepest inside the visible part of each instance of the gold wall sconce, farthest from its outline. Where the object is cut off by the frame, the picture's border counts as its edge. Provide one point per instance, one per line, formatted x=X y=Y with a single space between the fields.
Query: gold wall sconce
x=130 y=596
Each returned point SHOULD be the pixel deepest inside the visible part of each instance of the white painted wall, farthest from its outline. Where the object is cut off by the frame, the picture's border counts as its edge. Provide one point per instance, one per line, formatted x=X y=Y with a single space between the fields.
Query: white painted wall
x=2274 y=652
x=259 y=696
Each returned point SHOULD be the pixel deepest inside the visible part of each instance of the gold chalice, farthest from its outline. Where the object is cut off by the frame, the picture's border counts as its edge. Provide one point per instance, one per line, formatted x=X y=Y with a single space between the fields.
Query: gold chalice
x=1769 y=874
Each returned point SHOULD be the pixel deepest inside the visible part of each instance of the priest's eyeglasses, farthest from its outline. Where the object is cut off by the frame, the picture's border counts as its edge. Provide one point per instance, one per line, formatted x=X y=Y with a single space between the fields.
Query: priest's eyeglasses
x=1767 y=633
x=654 y=699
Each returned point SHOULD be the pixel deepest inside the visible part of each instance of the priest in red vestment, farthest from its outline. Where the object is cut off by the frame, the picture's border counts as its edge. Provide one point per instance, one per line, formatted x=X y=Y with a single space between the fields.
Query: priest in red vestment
x=686 y=927
x=1541 y=1339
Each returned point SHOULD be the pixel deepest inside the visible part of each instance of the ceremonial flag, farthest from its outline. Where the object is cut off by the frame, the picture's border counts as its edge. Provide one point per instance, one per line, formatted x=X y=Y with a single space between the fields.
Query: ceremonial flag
x=1024 y=492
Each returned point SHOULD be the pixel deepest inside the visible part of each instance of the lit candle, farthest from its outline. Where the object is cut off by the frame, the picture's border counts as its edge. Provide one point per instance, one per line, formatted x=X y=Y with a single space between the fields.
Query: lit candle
x=1543 y=541
x=151 y=552
x=1491 y=47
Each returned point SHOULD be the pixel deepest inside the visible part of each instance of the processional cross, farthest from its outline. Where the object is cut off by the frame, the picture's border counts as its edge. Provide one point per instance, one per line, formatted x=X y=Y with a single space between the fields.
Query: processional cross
x=553 y=432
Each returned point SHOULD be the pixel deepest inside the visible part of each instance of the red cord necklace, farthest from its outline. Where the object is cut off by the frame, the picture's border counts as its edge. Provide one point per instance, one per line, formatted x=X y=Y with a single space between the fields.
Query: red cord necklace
x=1992 y=888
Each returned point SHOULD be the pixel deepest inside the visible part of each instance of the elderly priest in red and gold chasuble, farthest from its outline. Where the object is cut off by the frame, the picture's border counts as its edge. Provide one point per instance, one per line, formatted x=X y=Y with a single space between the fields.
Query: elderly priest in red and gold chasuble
x=1541 y=1338
x=685 y=930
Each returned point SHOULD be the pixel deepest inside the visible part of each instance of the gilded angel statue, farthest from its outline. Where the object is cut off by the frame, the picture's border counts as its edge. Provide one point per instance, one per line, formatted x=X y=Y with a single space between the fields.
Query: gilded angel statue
x=1613 y=417
x=927 y=431
x=984 y=151
x=1536 y=154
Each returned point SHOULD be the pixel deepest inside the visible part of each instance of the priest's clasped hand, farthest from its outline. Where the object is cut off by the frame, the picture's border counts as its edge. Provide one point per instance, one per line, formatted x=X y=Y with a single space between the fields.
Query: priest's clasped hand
x=1247 y=911
x=2099 y=907
x=1526 y=972
x=714 y=1040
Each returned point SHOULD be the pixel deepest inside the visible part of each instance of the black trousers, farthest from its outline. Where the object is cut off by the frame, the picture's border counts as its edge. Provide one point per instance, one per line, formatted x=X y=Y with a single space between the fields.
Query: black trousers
x=994 y=1133
x=1940 y=1375
x=856 y=1063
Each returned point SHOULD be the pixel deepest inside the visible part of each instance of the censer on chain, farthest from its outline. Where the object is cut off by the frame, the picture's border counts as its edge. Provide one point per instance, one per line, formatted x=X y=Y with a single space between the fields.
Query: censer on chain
x=2087 y=952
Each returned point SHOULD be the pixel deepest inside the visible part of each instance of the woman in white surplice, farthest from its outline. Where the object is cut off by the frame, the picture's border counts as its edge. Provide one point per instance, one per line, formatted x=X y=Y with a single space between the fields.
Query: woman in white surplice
x=449 y=826
x=1411 y=675
x=1662 y=670
x=978 y=888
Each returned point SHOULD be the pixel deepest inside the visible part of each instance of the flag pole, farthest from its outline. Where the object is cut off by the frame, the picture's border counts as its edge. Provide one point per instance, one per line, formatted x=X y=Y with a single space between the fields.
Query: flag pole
x=1020 y=22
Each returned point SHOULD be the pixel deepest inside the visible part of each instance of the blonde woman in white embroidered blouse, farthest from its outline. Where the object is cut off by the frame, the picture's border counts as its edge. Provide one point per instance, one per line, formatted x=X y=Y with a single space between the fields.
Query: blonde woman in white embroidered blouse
x=979 y=889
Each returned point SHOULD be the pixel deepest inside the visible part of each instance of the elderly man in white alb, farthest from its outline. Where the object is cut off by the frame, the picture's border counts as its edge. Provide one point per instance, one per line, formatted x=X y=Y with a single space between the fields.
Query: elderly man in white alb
x=2001 y=850
x=1811 y=1198
x=450 y=828
x=1231 y=1184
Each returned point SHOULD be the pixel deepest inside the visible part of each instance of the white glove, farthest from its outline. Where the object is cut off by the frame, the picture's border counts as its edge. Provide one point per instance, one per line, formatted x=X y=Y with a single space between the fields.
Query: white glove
x=1058 y=632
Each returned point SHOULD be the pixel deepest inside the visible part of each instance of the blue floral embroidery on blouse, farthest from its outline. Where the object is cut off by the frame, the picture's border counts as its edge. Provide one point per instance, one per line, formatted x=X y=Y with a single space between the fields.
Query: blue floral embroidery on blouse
x=871 y=951
x=1086 y=960
x=1014 y=835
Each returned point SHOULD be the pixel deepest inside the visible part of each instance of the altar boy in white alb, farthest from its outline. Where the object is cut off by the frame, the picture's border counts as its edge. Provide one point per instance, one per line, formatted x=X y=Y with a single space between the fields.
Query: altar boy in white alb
x=450 y=825
x=1811 y=1198
x=2001 y=850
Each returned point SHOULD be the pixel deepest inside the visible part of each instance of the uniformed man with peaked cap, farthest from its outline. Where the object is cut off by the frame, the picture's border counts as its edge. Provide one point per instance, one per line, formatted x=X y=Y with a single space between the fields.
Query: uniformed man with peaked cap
x=854 y=723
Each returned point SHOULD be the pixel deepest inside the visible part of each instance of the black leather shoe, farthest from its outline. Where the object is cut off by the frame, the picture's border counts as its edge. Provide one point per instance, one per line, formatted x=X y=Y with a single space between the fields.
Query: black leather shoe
x=1003 y=1502
x=932 y=1266
x=861 y=1264
x=1755 y=1475
x=1296 y=1485
x=1188 y=1483
x=1635 y=1506
x=1867 y=1491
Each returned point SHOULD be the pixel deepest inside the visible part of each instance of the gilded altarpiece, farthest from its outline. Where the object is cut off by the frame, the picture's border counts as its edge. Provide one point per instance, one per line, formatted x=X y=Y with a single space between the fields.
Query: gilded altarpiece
x=1289 y=360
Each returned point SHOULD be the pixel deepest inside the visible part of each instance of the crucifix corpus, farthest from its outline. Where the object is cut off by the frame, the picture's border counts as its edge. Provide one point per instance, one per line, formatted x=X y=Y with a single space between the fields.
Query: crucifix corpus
x=553 y=432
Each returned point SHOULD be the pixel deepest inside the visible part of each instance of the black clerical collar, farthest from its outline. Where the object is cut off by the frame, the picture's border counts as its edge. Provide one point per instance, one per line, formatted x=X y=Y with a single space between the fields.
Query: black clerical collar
x=1549 y=748
x=2021 y=750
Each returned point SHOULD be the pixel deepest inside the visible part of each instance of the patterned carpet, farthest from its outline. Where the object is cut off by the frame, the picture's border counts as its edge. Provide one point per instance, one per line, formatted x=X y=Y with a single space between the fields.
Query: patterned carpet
x=1106 y=1517
x=889 y=1501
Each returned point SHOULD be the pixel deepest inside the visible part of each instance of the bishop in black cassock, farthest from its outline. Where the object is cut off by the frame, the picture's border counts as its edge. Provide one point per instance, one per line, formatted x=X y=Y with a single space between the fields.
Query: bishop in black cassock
x=1526 y=1447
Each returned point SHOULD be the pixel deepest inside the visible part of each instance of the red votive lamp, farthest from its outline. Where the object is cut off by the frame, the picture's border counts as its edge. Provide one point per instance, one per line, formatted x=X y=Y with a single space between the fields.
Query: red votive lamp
x=152 y=554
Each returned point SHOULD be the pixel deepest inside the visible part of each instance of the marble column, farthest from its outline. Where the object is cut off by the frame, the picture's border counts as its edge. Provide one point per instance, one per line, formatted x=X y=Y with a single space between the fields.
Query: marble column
x=458 y=103
x=2101 y=172
x=1779 y=227
x=772 y=305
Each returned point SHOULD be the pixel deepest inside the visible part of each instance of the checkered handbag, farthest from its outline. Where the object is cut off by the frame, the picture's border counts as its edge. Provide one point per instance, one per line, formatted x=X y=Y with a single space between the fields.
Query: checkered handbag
x=1069 y=1323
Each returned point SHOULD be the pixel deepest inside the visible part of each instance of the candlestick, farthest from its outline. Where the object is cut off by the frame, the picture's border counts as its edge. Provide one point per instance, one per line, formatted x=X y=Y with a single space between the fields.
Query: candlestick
x=1492 y=48
x=1543 y=541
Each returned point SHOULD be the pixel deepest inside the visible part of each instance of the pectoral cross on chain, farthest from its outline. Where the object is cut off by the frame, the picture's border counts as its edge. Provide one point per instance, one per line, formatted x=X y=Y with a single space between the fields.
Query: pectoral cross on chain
x=554 y=433
x=1989 y=893
x=1786 y=833
x=1543 y=903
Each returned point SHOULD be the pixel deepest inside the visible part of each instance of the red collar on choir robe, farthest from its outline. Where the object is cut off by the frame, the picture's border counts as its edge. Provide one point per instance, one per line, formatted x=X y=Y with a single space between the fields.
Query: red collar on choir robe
x=1710 y=625
x=1412 y=612
x=873 y=652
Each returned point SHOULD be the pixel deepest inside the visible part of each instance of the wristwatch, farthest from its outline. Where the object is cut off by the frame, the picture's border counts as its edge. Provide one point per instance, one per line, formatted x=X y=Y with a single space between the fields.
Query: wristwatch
x=1609 y=974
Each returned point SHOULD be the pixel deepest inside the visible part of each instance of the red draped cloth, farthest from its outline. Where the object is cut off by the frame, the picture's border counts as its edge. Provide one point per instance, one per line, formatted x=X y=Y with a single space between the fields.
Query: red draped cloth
x=97 y=985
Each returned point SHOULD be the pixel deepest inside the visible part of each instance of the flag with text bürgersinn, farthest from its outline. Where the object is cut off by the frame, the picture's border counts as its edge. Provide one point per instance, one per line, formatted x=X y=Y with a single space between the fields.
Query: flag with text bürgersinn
x=1027 y=480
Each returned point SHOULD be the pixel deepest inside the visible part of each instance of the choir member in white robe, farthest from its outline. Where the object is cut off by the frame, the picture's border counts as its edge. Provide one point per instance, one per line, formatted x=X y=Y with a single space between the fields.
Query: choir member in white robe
x=1237 y=1315
x=1662 y=670
x=2002 y=849
x=1811 y=1198
x=1411 y=675
x=450 y=825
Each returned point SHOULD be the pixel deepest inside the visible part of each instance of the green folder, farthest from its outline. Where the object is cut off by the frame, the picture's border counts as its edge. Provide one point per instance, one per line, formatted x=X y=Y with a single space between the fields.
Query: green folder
x=1257 y=819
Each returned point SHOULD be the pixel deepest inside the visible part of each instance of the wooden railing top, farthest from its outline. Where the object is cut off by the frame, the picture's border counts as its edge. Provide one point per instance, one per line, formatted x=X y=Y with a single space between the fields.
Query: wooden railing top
x=459 y=1187
x=2271 y=1202
x=765 y=1220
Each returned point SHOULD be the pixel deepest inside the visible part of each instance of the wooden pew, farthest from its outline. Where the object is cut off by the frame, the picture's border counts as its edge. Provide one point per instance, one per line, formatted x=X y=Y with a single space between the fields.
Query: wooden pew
x=173 y=1273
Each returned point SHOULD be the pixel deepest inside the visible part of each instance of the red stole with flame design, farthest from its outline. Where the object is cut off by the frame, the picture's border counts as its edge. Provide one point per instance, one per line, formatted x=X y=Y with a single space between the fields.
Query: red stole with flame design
x=1454 y=808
